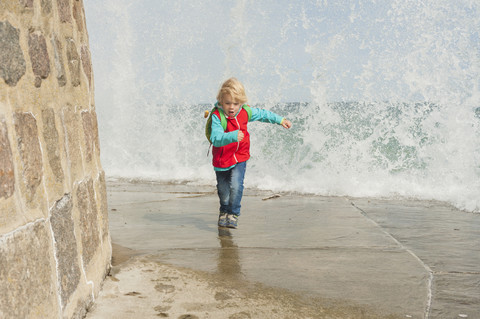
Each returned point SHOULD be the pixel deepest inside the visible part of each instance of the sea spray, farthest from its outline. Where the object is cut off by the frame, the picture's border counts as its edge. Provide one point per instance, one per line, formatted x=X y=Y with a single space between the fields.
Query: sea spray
x=374 y=149
x=384 y=97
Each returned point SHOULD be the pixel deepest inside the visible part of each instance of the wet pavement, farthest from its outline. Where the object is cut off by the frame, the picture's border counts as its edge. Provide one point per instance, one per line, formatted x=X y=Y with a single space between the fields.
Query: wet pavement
x=291 y=256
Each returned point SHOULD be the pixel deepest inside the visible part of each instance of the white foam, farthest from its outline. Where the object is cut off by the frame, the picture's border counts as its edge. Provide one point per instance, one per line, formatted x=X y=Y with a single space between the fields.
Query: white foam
x=168 y=57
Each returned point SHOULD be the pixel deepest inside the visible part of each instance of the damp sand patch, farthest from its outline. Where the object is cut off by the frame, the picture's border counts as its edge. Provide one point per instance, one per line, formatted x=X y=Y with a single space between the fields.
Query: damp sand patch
x=121 y=254
x=142 y=288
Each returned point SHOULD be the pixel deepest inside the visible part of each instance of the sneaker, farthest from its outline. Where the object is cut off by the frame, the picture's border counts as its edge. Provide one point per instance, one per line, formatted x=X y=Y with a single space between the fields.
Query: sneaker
x=222 y=219
x=232 y=221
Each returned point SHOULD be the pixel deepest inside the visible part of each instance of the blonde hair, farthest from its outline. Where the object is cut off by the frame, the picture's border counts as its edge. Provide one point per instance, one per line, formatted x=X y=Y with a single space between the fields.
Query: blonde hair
x=234 y=88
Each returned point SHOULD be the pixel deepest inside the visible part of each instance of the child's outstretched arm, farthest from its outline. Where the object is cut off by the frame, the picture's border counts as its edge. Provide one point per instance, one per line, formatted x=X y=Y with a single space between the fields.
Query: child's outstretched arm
x=269 y=117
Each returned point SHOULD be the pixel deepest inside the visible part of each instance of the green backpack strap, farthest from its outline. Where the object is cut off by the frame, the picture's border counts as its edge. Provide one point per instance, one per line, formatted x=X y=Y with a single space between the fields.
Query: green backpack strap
x=208 y=126
x=249 y=110
x=223 y=118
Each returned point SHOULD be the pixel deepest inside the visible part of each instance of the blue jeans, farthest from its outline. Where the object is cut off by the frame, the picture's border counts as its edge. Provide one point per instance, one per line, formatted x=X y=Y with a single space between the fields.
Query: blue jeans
x=230 y=188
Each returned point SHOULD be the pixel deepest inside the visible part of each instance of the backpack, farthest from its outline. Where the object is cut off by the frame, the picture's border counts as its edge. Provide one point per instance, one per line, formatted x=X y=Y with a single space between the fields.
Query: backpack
x=223 y=119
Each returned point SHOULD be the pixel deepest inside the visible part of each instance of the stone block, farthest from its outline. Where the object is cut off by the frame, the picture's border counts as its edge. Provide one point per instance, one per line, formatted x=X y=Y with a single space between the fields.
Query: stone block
x=30 y=153
x=64 y=11
x=71 y=124
x=95 y=128
x=12 y=62
x=46 y=7
x=58 y=61
x=73 y=61
x=87 y=208
x=86 y=63
x=37 y=49
x=102 y=197
x=28 y=284
x=7 y=175
x=89 y=130
x=77 y=14
x=65 y=247
x=50 y=135
x=26 y=3
x=10 y=216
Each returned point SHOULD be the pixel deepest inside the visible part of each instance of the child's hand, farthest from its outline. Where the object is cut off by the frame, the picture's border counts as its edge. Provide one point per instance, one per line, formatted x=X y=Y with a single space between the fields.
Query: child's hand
x=286 y=123
x=240 y=135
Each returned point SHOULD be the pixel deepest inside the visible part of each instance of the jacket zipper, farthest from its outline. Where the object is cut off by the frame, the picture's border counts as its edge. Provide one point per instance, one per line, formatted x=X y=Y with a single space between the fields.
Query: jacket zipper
x=238 y=143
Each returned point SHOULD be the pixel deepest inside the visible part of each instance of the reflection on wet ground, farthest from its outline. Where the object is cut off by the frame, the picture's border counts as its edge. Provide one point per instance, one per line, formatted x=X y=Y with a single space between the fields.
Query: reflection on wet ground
x=405 y=258
x=228 y=257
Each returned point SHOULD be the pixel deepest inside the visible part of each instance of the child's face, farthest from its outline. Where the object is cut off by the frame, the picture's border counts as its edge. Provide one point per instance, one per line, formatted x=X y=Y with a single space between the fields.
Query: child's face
x=230 y=106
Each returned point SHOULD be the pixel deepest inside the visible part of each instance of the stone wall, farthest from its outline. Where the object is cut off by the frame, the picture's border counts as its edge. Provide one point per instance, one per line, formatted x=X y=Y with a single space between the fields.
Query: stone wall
x=55 y=247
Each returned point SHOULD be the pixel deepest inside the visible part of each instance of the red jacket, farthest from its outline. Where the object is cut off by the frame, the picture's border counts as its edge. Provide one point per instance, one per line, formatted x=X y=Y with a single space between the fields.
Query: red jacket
x=233 y=153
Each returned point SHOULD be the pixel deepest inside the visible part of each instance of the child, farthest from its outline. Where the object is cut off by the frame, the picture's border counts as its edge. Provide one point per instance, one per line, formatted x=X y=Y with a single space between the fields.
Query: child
x=231 y=147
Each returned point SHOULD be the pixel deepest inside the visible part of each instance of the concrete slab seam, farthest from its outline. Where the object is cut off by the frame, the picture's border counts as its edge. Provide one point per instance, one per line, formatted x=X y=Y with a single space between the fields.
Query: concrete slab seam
x=424 y=265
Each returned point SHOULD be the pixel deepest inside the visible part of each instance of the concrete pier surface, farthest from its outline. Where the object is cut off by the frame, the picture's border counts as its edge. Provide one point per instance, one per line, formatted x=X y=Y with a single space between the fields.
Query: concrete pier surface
x=292 y=256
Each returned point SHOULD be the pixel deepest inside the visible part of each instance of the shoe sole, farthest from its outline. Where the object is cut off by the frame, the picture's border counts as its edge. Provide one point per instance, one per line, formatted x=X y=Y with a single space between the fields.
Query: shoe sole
x=222 y=225
x=231 y=226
